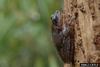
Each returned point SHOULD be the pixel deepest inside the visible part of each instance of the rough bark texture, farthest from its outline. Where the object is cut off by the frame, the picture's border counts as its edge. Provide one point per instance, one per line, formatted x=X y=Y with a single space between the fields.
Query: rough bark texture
x=87 y=30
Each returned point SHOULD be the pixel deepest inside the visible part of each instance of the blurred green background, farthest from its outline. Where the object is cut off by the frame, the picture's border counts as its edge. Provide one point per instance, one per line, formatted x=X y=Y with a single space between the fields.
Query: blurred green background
x=25 y=33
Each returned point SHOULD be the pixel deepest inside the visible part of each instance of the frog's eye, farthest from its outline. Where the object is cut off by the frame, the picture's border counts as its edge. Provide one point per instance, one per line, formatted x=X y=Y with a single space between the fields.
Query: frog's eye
x=55 y=17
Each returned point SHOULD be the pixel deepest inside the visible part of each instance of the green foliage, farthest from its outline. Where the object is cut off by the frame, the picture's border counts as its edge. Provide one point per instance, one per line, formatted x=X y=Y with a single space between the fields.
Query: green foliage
x=25 y=37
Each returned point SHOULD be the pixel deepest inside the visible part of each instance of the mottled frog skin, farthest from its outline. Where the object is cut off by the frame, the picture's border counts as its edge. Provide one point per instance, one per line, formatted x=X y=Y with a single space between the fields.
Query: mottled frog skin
x=61 y=36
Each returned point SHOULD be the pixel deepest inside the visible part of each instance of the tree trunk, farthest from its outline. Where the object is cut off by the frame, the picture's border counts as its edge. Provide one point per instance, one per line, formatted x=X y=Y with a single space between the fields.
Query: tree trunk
x=87 y=30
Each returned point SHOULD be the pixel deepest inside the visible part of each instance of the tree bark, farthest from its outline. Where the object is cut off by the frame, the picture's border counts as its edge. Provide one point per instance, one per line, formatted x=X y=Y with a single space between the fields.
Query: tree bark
x=87 y=30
